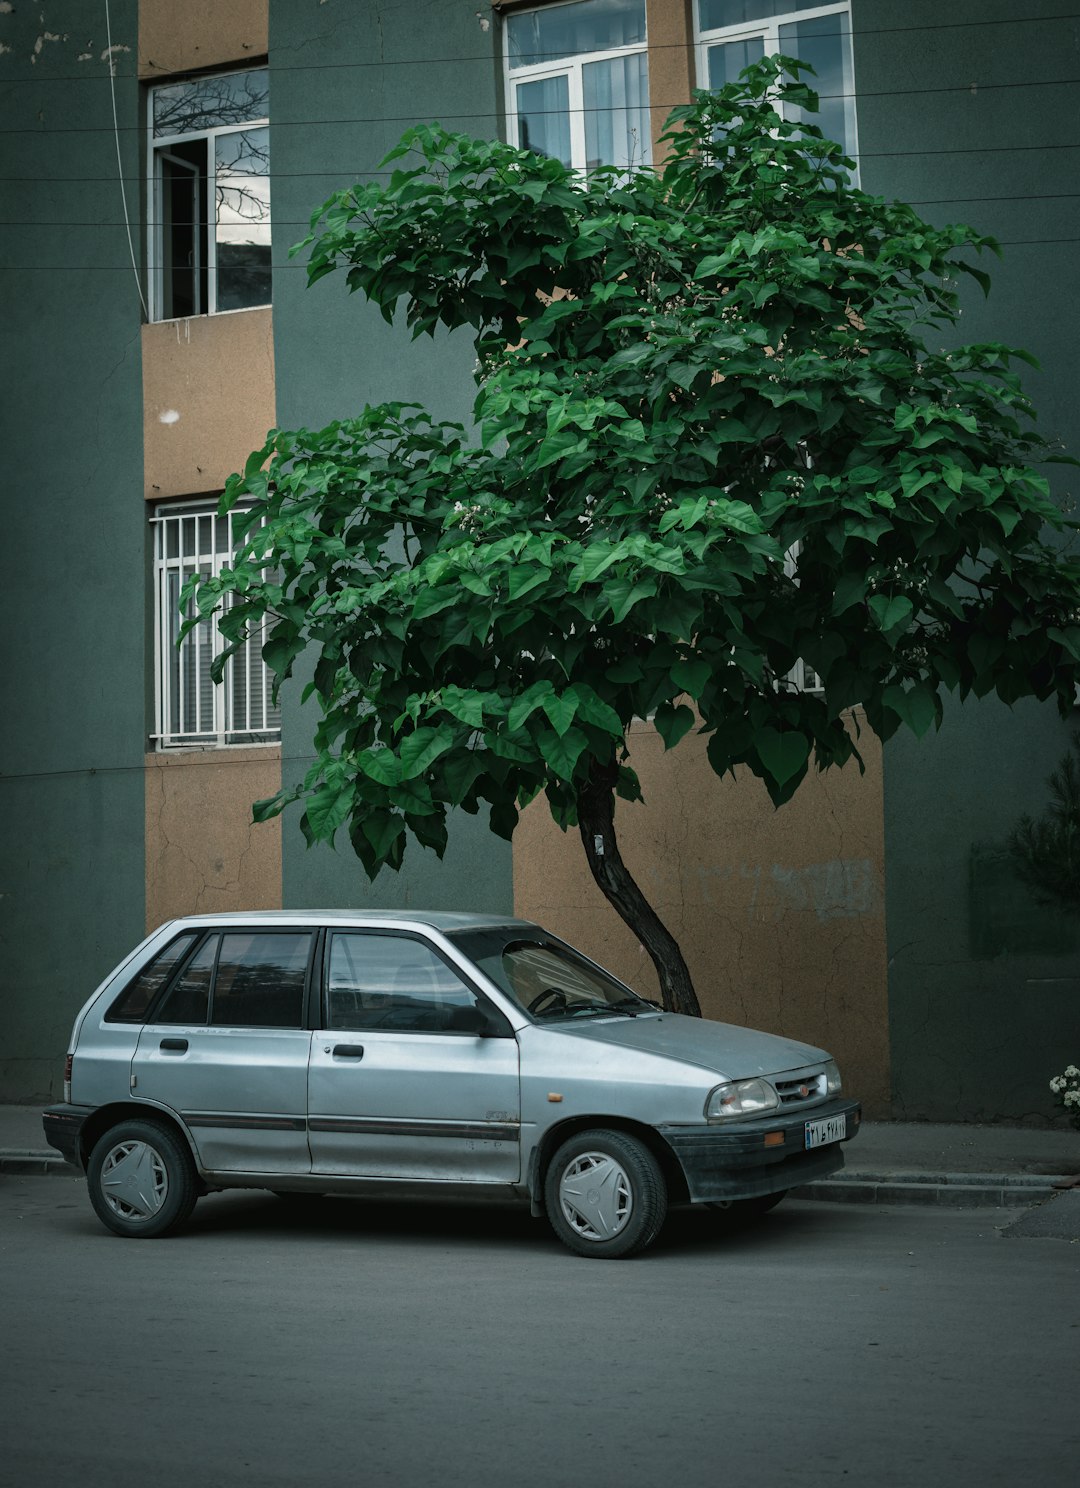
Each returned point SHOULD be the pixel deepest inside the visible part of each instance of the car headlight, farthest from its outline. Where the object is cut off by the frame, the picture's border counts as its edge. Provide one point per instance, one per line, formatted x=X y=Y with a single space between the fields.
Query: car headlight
x=832 y=1078
x=740 y=1098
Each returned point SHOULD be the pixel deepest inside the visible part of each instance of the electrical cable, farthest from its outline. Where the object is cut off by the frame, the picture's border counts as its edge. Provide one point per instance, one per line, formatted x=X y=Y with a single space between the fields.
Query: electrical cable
x=120 y=166
x=561 y=113
x=443 y=62
x=931 y=201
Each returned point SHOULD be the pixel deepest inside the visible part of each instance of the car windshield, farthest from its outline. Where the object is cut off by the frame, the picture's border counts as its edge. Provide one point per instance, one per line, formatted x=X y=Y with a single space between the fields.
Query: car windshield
x=545 y=977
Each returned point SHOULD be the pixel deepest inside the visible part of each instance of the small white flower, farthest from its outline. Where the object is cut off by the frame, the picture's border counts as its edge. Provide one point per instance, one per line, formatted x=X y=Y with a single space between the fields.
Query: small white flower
x=1072 y=1071
x=1058 y=1083
x=1072 y=1098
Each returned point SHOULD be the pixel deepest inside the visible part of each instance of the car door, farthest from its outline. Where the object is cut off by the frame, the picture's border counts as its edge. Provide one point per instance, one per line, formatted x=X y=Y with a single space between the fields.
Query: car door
x=400 y=1083
x=227 y=1049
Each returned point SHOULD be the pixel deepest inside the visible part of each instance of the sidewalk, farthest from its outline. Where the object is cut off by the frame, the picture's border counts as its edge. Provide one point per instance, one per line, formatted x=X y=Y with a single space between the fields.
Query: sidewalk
x=889 y=1162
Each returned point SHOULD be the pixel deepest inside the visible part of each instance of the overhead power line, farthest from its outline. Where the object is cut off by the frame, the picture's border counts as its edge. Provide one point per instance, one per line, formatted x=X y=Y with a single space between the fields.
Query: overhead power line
x=932 y=201
x=410 y=119
x=351 y=173
x=489 y=56
x=282 y=266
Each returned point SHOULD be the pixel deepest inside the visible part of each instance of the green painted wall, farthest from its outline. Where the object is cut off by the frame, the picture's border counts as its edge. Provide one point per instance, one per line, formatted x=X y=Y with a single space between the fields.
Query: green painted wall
x=72 y=595
x=344 y=87
x=984 y=985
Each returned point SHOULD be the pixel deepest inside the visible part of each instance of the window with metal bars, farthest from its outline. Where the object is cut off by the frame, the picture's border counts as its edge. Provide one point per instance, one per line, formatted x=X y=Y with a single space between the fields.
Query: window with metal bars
x=190 y=710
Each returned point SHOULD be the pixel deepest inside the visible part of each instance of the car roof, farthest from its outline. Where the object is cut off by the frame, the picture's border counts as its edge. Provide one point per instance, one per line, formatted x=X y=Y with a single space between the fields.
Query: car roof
x=433 y=919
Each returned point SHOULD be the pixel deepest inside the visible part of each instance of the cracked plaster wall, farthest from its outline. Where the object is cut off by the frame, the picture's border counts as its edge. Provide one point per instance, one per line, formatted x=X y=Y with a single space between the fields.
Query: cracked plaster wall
x=208 y=398
x=204 y=854
x=197 y=34
x=780 y=914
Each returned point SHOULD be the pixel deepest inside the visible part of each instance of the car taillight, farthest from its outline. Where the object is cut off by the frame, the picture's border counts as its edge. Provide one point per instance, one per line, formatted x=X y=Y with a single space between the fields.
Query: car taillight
x=67 y=1078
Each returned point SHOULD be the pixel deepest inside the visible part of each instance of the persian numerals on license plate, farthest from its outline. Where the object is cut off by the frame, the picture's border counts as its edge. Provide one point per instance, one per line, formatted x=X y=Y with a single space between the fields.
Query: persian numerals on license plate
x=821 y=1133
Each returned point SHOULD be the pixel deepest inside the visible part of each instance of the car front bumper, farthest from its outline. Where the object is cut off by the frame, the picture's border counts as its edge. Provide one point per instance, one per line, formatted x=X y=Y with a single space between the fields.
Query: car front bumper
x=748 y=1159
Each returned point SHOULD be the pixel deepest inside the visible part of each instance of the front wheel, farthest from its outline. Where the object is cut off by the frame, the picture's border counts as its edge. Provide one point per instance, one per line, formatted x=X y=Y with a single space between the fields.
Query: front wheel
x=605 y=1195
x=141 y=1180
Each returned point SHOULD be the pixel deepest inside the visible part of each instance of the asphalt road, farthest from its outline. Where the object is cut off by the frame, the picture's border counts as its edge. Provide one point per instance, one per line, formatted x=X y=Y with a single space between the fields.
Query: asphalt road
x=350 y=1344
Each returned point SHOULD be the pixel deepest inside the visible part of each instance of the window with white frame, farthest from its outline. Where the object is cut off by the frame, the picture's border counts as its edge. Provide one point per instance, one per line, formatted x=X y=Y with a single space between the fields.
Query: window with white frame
x=209 y=194
x=190 y=709
x=732 y=34
x=578 y=83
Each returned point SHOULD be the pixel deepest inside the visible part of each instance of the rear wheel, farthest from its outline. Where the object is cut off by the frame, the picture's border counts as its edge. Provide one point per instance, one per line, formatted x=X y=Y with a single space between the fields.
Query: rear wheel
x=605 y=1195
x=141 y=1180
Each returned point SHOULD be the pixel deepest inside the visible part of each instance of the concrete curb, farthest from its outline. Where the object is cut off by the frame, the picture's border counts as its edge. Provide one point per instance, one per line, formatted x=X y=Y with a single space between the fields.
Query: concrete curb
x=36 y=1164
x=945 y=1190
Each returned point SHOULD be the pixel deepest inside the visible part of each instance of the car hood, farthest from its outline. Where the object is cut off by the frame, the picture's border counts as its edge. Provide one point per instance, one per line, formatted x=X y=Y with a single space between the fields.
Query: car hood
x=726 y=1048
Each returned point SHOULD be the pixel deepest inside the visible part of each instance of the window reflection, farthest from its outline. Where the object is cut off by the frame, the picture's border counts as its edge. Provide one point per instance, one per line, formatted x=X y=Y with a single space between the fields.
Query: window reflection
x=394 y=983
x=210 y=228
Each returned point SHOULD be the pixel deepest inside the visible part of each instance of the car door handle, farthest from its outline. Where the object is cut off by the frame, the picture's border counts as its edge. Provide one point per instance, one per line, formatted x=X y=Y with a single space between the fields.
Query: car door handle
x=349 y=1051
x=178 y=1046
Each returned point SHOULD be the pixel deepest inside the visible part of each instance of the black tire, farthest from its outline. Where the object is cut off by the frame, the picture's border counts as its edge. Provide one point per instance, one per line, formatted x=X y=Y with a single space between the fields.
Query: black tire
x=622 y=1214
x=158 y=1190
x=745 y=1211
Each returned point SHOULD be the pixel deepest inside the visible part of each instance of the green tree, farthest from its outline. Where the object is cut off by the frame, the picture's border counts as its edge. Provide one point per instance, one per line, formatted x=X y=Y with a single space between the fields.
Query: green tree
x=709 y=440
x=1046 y=849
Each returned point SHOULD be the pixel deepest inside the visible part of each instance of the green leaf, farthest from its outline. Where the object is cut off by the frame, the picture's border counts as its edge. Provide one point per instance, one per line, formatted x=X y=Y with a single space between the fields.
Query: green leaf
x=917 y=706
x=459 y=772
x=328 y=807
x=381 y=765
x=782 y=754
x=592 y=709
x=382 y=829
x=522 y=708
x=562 y=752
x=421 y=749
x=891 y=611
x=561 y=708
x=850 y=590
x=624 y=594
x=691 y=676
x=672 y=724
x=430 y=601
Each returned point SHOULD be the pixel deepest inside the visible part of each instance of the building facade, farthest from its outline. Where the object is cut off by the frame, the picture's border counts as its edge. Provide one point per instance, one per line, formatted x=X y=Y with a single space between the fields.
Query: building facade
x=160 y=161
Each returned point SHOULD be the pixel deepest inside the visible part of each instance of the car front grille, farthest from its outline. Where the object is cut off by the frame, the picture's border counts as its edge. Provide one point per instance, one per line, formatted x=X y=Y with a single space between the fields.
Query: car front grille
x=797 y=1090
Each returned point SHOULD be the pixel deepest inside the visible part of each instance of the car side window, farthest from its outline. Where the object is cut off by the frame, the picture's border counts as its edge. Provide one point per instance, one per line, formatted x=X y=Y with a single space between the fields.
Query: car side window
x=188 y=999
x=260 y=979
x=132 y=1004
x=397 y=983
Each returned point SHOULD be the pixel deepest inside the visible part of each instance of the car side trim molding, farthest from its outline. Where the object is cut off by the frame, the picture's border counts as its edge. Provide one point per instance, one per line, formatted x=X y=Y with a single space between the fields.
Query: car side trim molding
x=244 y=1121
x=483 y=1131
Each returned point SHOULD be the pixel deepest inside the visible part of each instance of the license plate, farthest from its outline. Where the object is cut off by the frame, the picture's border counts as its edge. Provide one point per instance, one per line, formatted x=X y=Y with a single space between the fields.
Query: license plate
x=821 y=1133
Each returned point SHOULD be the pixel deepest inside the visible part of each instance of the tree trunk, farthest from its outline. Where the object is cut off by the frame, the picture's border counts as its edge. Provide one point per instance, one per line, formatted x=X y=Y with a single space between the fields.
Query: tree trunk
x=596 y=823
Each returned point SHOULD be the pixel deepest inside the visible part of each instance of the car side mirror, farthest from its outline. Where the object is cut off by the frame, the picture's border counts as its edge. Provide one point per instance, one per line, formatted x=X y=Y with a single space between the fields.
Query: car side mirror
x=481 y=1021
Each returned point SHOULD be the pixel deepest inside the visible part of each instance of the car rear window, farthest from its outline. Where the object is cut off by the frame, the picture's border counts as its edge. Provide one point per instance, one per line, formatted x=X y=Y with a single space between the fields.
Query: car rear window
x=134 y=1001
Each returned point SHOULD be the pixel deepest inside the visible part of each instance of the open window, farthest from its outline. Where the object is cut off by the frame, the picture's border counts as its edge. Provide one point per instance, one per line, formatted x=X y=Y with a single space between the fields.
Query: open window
x=209 y=246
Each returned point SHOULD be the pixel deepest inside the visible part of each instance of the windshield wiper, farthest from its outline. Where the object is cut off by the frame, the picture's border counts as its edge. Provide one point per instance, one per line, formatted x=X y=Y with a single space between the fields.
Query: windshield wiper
x=622 y=1008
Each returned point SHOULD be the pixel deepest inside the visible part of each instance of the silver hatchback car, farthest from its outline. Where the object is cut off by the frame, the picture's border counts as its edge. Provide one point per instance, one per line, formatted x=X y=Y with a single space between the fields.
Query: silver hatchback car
x=430 y=1054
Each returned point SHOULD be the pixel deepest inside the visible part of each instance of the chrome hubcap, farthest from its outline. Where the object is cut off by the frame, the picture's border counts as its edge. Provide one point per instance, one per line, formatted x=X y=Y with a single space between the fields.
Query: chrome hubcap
x=134 y=1181
x=595 y=1196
